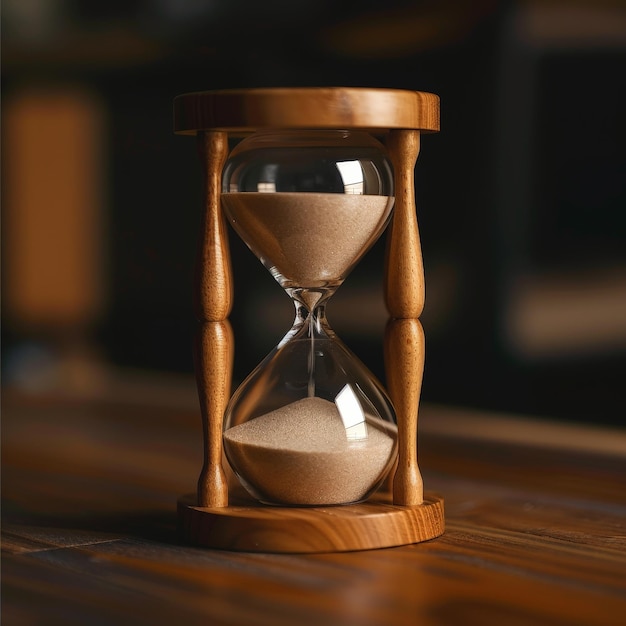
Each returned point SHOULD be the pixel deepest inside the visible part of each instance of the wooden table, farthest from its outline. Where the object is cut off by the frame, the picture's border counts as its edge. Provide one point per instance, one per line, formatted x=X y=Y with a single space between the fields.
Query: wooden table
x=535 y=513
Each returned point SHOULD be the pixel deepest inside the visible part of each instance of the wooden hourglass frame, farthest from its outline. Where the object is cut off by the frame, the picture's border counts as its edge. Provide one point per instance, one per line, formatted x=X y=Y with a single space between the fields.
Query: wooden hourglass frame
x=219 y=516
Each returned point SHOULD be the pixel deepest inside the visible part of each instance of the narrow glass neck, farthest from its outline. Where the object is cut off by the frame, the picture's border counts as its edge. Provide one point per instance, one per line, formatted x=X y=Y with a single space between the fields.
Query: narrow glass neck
x=311 y=299
x=315 y=320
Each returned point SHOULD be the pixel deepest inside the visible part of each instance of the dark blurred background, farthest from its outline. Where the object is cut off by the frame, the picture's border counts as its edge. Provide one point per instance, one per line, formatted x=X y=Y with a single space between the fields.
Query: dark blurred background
x=521 y=197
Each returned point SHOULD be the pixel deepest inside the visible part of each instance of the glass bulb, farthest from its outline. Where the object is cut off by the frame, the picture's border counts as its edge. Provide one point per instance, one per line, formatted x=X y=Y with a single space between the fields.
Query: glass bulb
x=311 y=425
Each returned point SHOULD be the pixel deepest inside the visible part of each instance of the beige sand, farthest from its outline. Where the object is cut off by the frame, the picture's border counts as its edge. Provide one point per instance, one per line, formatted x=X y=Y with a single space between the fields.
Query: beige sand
x=299 y=454
x=309 y=239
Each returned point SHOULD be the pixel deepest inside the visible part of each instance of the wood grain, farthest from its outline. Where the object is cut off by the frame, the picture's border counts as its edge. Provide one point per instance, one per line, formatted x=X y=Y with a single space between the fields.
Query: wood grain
x=252 y=527
x=404 y=275
x=404 y=298
x=213 y=299
x=214 y=284
x=535 y=533
x=213 y=365
x=404 y=358
x=245 y=110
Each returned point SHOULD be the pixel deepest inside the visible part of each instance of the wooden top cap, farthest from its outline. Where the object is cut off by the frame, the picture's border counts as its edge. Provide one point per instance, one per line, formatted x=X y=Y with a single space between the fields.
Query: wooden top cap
x=246 y=110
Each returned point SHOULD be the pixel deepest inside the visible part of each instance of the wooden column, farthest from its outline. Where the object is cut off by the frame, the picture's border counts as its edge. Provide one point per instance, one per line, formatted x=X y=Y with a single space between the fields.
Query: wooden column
x=404 y=297
x=213 y=300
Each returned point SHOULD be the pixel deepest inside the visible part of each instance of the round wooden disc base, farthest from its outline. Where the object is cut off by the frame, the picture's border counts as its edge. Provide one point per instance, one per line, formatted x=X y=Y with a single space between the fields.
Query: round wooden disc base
x=249 y=526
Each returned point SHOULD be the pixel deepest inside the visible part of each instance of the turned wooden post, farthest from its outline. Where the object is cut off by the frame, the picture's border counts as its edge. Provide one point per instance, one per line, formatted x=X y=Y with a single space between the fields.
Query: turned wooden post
x=213 y=300
x=404 y=297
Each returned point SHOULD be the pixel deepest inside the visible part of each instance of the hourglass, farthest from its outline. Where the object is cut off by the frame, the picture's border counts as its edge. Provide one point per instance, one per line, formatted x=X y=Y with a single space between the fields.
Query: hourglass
x=310 y=453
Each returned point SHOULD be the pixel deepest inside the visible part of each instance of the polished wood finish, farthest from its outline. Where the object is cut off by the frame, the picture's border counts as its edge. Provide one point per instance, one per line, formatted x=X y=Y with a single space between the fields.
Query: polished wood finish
x=213 y=360
x=404 y=298
x=214 y=343
x=251 y=527
x=214 y=291
x=404 y=358
x=404 y=276
x=535 y=524
x=245 y=110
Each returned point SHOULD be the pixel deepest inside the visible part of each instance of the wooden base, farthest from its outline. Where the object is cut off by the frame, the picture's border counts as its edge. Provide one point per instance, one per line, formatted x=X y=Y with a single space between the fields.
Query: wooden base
x=248 y=526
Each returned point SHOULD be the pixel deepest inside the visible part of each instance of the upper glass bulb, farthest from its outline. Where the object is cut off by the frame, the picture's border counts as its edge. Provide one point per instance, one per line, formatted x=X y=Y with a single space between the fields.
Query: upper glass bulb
x=309 y=204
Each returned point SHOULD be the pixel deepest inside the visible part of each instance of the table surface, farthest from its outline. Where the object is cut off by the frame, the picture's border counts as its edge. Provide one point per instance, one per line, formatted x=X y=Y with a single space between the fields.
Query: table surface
x=535 y=524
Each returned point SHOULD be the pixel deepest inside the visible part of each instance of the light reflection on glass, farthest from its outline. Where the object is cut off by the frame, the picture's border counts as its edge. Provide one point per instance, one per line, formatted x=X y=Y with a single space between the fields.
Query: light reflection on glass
x=352 y=176
x=351 y=414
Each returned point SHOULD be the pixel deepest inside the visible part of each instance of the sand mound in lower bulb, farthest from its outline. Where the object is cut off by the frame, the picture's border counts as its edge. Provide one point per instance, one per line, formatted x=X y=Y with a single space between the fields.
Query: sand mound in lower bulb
x=301 y=454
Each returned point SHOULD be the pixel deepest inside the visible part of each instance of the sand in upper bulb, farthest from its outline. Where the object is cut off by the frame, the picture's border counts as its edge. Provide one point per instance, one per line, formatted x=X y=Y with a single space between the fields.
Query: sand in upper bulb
x=310 y=239
x=300 y=454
